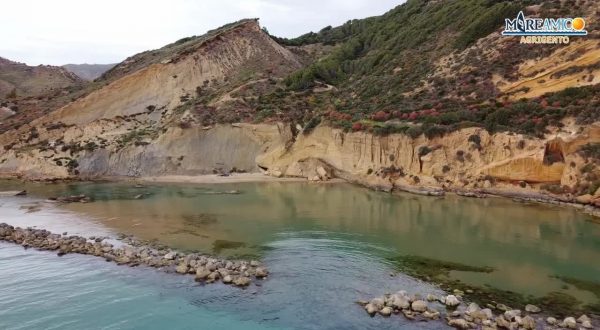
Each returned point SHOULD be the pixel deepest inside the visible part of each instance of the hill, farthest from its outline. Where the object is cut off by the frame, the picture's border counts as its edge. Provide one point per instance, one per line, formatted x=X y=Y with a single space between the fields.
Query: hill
x=21 y=80
x=29 y=92
x=88 y=71
x=427 y=95
x=445 y=65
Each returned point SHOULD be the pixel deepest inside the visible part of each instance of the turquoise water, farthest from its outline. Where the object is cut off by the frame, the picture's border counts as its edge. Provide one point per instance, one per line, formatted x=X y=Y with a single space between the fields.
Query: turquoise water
x=326 y=246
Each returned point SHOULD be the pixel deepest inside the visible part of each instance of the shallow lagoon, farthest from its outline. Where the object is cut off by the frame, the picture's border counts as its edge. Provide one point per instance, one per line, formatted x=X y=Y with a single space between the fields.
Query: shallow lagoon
x=326 y=245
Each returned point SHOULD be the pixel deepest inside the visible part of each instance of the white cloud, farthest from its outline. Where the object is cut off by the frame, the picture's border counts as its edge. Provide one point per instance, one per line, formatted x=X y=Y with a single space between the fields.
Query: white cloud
x=75 y=31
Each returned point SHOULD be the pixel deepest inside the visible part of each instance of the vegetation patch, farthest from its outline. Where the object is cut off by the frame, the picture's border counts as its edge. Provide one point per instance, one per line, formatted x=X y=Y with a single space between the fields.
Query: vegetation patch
x=220 y=245
x=438 y=272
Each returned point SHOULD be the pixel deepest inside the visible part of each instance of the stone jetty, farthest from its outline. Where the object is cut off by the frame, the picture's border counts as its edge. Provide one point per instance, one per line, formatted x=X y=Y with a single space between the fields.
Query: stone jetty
x=206 y=269
x=458 y=314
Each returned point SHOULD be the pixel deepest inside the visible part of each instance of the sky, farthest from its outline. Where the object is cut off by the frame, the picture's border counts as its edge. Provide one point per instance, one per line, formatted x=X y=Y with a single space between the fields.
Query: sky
x=59 y=32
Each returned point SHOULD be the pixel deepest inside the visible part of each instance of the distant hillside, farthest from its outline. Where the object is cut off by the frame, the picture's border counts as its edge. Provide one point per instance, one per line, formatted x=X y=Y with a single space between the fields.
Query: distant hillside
x=29 y=92
x=88 y=71
x=21 y=80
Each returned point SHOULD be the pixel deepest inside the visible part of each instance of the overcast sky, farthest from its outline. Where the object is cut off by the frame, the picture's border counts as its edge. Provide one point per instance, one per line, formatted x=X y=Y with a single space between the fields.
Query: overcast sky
x=84 y=31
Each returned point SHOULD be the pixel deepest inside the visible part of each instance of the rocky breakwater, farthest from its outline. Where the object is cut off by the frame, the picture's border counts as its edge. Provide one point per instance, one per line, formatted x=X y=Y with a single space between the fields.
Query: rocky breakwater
x=460 y=315
x=206 y=269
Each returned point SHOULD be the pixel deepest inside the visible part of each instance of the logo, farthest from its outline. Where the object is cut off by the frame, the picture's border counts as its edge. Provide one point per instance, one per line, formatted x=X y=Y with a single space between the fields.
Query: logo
x=544 y=30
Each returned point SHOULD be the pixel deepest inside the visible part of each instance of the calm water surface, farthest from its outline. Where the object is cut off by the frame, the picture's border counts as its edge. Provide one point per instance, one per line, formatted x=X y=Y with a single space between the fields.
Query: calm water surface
x=326 y=246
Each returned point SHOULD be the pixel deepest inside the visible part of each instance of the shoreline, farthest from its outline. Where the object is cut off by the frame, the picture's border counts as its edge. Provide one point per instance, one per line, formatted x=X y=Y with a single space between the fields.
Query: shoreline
x=217 y=179
x=256 y=177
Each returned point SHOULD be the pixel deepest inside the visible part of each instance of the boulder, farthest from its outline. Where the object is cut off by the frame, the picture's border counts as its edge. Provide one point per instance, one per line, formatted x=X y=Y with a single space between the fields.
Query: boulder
x=170 y=255
x=551 y=321
x=213 y=276
x=583 y=318
x=501 y=322
x=587 y=324
x=227 y=279
x=399 y=301
x=512 y=314
x=528 y=323
x=532 y=309
x=276 y=173
x=459 y=324
x=386 y=311
x=503 y=307
x=482 y=314
x=419 y=306
x=584 y=199
x=432 y=315
x=242 y=281
x=570 y=323
x=408 y=314
x=451 y=301
x=261 y=272
x=371 y=309
x=202 y=274
x=182 y=269
x=472 y=308
x=432 y=298
x=378 y=303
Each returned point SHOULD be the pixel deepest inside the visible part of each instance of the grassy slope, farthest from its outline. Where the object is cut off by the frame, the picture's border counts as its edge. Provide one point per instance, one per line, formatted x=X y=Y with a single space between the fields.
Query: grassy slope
x=383 y=68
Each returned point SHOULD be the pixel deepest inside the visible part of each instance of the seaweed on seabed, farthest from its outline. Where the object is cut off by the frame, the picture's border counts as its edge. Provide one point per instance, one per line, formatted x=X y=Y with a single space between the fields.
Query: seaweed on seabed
x=430 y=269
x=438 y=271
x=593 y=287
x=221 y=244
x=199 y=220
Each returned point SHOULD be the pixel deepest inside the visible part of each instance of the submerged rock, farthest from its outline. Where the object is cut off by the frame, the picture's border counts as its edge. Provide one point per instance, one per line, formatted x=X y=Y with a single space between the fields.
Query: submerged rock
x=71 y=199
x=432 y=298
x=532 y=309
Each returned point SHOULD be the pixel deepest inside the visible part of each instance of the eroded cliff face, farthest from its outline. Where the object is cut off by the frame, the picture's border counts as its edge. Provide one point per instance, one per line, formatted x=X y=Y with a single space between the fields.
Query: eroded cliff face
x=192 y=151
x=143 y=118
x=455 y=161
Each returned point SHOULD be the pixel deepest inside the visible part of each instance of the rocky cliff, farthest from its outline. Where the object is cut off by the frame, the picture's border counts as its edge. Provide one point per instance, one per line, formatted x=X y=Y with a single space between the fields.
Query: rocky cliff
x=221 y=102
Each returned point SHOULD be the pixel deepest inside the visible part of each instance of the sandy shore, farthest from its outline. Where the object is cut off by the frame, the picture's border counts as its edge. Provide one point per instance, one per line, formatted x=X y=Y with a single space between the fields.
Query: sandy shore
x=234 y=178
